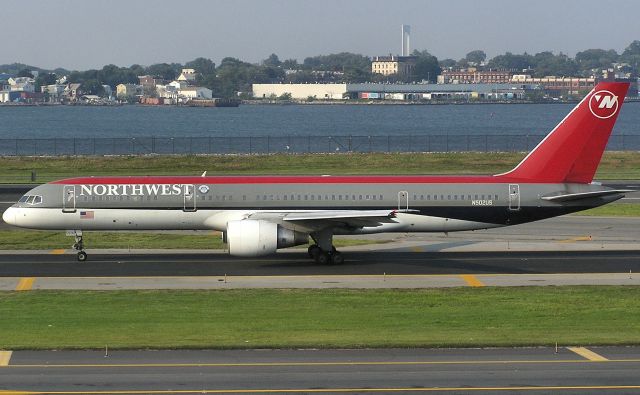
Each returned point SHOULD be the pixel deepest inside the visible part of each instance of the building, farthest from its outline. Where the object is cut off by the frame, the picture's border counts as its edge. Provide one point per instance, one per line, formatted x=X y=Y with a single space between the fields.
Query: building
x=473 y=76
x=22 y=84
x=53 y=92
x=125 y=91
x=196 y=92
x=558 y=86
x=407 y=92
x=187 y=75
x=73 y=92
x=403 y=66
x=301 y=91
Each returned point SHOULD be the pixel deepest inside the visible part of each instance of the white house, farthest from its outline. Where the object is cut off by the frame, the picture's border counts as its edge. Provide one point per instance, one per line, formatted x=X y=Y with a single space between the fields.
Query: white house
x=22 y=84
x=187 y=75
x=196 y=92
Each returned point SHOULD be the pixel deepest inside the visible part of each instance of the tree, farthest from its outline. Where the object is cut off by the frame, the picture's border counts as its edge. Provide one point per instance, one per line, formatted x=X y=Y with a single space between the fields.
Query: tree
x=164 y=70
x=202 y=66
x=427 y=67
x=478 y=56
x=285 y=96
x=631 y=55
x=290 y=64
x=272 y=60
x=509 y=61
x=45 y=79
x=447 y=63
x=595 y=59
x=25 y=73
x=92 y=87
x=546 y=63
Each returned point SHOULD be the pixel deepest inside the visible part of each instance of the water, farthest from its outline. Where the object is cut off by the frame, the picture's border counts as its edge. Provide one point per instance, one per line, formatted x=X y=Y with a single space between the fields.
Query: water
x=292 y=120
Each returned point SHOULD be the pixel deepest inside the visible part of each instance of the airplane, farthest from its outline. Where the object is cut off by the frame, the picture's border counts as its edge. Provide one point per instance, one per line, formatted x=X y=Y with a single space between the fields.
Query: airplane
x=258 y=215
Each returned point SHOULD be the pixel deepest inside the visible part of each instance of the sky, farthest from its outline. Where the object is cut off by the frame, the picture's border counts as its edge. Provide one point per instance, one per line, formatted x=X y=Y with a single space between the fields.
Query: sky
x=83 y=34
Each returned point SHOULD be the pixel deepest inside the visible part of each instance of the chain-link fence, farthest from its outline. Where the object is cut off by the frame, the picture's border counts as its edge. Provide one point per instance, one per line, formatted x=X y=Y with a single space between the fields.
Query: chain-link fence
x=285 y=144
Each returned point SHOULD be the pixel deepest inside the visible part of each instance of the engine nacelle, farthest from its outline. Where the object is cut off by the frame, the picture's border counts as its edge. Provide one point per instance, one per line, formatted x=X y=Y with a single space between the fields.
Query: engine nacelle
x=251 y=237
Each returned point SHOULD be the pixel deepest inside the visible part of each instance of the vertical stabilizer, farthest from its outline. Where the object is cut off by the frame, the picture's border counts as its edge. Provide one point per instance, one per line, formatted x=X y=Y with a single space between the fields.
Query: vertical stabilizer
x=573 y=149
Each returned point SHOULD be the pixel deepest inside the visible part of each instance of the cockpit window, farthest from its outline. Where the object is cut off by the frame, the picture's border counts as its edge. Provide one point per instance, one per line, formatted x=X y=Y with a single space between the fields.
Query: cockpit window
x=31 y=199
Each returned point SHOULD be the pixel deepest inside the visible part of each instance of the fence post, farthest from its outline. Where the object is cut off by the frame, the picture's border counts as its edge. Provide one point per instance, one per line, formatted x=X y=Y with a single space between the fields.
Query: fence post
x=74 y=146
x=308 y=144
x=268 y=145
x=250 y=145
x=94 y=146
x=388 y=143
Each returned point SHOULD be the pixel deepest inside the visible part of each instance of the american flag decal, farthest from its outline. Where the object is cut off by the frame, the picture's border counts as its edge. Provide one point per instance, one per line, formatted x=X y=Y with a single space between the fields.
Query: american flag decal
x=86 y=214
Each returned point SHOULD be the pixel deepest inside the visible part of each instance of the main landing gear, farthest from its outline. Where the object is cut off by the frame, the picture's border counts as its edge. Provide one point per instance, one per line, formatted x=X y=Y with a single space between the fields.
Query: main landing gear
x=323 y=252
x=79 y=246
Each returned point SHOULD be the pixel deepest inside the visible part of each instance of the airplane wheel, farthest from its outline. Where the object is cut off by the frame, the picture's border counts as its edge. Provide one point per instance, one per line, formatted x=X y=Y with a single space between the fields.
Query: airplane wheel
x=323 y=258
x=337 y=258
x=314 y=250
x=82 y=256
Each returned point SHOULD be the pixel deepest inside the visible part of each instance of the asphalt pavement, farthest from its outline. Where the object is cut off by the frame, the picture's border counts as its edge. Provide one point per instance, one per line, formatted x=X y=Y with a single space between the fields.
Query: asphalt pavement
x=574 y=370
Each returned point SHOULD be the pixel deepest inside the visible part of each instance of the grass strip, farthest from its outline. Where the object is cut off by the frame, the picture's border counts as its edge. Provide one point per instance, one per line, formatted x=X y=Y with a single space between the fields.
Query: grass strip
x=254 y=318
x=44 y=240
x=614 y=165
x=613 y=210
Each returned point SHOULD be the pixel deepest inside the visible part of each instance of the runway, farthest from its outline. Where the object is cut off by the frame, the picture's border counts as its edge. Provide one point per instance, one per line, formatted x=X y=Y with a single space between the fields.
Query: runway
x=295 y=270
x=575 y=370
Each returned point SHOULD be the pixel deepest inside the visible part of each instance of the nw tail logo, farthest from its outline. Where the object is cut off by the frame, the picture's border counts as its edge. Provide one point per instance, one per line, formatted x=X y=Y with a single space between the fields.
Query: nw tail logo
x=603 y=104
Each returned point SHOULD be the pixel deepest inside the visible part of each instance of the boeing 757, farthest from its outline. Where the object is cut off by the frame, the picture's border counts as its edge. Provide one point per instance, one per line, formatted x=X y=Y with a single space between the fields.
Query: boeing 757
x=261 y=214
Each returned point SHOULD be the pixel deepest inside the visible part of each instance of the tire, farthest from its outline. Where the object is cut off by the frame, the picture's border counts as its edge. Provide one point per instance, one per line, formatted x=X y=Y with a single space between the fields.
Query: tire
x=82 y=256
x=337 y=258
x=323 y=258
x=313 y=251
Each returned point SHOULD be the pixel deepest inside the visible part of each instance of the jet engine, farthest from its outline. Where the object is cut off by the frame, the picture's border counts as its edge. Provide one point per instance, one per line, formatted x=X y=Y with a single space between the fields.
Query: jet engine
x=251 y=238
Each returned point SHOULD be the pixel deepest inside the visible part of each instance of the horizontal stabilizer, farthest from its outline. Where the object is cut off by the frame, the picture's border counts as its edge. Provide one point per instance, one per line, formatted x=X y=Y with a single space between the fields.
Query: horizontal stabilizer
x=585 y=195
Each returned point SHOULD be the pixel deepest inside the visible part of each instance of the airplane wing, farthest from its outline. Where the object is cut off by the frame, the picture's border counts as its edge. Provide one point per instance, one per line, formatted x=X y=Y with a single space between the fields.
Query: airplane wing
x=585 y=195
x=325 y=218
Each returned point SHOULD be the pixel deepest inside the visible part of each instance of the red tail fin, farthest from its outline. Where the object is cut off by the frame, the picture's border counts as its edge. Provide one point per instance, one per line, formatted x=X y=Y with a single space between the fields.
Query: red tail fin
x=573 y=149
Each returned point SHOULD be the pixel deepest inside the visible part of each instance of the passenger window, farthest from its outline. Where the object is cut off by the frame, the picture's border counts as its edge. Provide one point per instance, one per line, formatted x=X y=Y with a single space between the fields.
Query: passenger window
x=448 y=197
x=455 y=197
x=285 y=197
x=496 y=197
x=380 y=197
x=428 y=197
x=435 y=197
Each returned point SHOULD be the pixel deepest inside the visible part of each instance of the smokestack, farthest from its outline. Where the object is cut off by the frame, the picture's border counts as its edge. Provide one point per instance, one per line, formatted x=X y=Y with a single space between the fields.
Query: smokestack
x=406 y=31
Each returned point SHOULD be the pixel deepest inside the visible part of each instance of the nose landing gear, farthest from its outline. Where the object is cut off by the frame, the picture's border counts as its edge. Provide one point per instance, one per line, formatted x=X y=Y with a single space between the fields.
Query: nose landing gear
x=79 y=246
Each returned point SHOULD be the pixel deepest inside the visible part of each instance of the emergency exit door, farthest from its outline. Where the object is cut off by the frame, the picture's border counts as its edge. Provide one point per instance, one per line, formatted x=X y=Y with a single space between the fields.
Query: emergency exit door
x=514 y=197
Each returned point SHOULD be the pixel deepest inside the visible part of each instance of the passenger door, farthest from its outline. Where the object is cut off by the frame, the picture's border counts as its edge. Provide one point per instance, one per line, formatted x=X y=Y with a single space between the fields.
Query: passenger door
x=514 y=197
x=189 y=198
x=69 y=199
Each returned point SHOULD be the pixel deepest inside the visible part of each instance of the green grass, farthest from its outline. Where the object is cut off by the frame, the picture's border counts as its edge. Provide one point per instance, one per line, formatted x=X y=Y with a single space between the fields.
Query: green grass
x=615 y=165
x=613 y=210
x=250 y=318
x=44 y=240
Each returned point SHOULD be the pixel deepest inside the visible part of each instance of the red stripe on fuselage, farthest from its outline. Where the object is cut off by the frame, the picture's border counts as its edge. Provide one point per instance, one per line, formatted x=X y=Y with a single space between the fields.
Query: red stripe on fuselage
x=291 y=180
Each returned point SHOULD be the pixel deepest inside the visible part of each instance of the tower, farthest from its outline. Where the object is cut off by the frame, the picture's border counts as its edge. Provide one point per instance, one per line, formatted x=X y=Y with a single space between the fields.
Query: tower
x=406 y=31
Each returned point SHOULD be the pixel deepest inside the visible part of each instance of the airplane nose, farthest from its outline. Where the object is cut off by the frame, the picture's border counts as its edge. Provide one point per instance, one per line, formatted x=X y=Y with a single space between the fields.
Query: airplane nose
x=9 y=216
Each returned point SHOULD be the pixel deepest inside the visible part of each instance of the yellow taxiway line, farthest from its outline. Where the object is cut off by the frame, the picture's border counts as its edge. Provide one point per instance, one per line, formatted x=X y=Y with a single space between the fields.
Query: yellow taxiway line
x=59 y=251
x=336 y=390
x=588 y=354
x=25 y=284
x=5 y=357
x=472 y=280
x=281 y=364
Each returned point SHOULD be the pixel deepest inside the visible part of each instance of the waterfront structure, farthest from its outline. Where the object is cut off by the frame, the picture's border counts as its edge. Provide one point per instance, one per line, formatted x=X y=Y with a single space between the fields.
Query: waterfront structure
x=196 y=92
x=73 y=92
x=557 y=86
x=473 y=76
x=53 y=92
x=403 y=66
x=378 y=91
x=21 y=84
x=124 y=91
